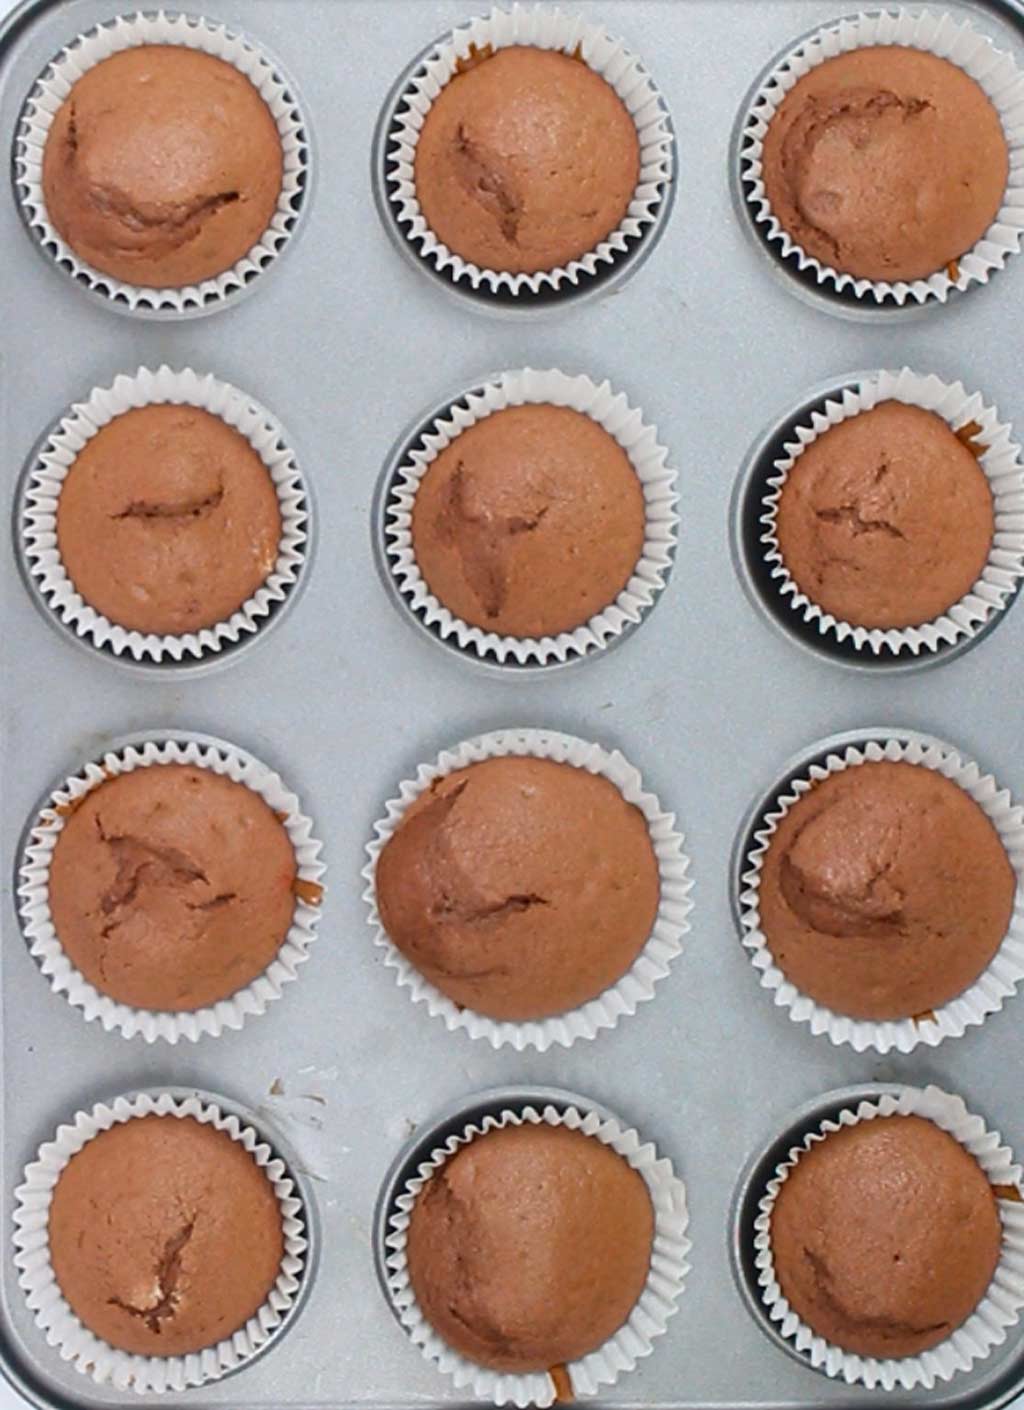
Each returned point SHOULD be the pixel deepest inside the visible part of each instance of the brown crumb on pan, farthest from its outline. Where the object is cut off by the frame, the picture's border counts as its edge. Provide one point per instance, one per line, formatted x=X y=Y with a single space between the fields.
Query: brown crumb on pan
x=276 y=1088
x=309 y=891
x=563 y=1385
x=968 y=434
x=953 y=270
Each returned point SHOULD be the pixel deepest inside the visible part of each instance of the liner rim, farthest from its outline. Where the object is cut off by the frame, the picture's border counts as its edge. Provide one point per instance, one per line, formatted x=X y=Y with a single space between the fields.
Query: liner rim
x=34 y=122
x=100 y=1360
x=902 y=28
x=654 y=960
x=1002 y=1306
x=526 y=27
x=43 y=479
x=986 y=993
x=649 y=1317
x=151 y=749
x=439 y=428
x=997 y=586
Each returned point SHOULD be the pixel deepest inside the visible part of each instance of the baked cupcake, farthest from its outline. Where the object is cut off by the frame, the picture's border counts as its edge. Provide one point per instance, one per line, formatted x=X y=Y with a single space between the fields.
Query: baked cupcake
x=530 y=522
x=886 y=519
x=168 y=520
x=884 y=891
x=885 y=1236
x=885 y=163
x=527 y=160
x=165 y=1235
x=520 y=887
x=530 y=1246
x=163 y=167
x=171 y=887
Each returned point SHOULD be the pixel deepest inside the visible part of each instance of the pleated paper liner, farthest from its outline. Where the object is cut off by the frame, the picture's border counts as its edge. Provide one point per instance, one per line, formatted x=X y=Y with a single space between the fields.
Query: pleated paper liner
x=1002 y=975
x=937 y=33
x=648 y=1320
x=191 y=32
x=37 y=520
x=154 y=751
x=998 y=1310
x=107 y=1365
x=999 y=457
x=626 y=425
x=637 y=985
x=542 y=27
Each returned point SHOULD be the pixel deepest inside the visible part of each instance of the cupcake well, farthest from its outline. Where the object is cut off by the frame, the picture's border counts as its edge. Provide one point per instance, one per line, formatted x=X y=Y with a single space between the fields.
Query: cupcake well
x=1005 y=971
x=657 y=1303
x=539 y=27
x=637 y=438
x=1003 y=468
x=107 y=1365
x=38 y=504
x=190 y=32
x=940 y=34
x=999 y=1309
x=653 y=961
x=153 y=751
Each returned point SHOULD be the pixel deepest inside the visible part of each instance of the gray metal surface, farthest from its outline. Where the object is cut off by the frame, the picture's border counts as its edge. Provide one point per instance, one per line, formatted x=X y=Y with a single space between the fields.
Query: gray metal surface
x=346 y=343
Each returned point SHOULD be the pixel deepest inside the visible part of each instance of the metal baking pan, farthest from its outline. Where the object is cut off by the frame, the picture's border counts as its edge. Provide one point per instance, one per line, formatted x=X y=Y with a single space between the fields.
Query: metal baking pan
x=347 y=342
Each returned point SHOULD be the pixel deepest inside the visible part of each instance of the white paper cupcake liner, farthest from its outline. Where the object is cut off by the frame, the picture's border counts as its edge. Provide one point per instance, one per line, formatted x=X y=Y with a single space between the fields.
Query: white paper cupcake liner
x=995 y=72
x=1004 y=971
x=105 y=1364
x=657 y=1303
x=190 y=32
x=539 y=28
x=999 y=1308
x=1001 y=463
x=661 y=948
x=44 y=943
x=639 y=440
x=38 y=524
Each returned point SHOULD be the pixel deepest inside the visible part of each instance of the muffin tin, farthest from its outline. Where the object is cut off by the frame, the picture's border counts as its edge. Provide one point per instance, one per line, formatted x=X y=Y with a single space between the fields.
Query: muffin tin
x=347 y=342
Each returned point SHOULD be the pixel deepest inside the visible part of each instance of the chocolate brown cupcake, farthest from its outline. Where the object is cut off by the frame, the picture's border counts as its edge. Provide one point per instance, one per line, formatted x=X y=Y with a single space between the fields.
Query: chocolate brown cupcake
x=165 y=1236
x=168 y=520
x=171 y=887
x=162 y=167
x=886 y=163
x=885 y=1236
x=530 y=522
x=519 y=887
x=886 y=519
x=527 y=159
x=885 y=891
x=530 y=1247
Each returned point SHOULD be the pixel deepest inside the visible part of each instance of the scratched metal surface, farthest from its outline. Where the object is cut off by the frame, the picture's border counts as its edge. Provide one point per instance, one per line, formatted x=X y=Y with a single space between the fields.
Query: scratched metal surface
x=346 y=343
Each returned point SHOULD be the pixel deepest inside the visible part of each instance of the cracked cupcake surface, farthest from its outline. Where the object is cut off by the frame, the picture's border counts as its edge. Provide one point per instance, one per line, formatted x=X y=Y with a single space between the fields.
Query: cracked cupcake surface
x=168 y=520
x=171 y=887
x=526 y=160
x=530 y=523
x=519 y=887
x=886 y=519
x=165 y=1235
x=530 y=1247
x=885 y=891
x=162 y=167
x=885 y=1236
x=887 y=163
